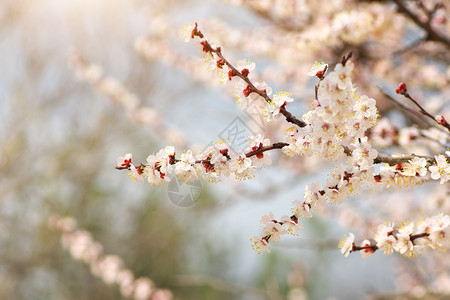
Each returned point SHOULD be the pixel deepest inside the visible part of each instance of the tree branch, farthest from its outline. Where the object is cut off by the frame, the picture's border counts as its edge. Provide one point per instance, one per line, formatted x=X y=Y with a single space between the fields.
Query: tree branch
x=432 y=35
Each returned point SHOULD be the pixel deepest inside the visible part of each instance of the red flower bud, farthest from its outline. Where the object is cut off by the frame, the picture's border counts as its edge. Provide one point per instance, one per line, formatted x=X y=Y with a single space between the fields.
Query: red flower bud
x=220 y=63
x=231 y=74
x=440 y=119
x=402 y=89
x=247 y=91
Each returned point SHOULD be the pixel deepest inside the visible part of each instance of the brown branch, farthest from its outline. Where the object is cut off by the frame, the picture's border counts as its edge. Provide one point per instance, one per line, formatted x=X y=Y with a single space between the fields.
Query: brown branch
x=249 y=154
x=375 y=248
x=267 y=148
x=252 y=89
x=421 y=109
x=142 y=166
x=432 y=35
x=419 y=114
x=289 y=117
x=424 y=112
x=404 y=107
x=392 y=160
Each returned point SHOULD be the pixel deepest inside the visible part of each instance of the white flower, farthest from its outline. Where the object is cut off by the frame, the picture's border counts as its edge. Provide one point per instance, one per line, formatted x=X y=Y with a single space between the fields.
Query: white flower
x=291 y=150
x=275 y=230
x=186 y=31
x=318 y=69
x=166 y=158
x=184 y=168
x=260 y=244
x=245 y=64
x=185 y=163
x=272 y=109
x=404 y=244
x=387 y=244
x=218 y=157
x=301 y=209
x=438 y=229
x=262 y=86
x=291 y=223
x=440 y=222
x=169 y=151
x=255 y=143
x=313 y=194
x=354 y=127
x=365 y=107
x=441 y=170
x=268 y=218
x=407 y=135
x=346 y=244
x=125 y=161
x=217 y=67
x=156 y=170
x=272 y=227
x=416 y=166
x=364 y=154
x=241 y=166
x=207 y=170
x=136 y=173
x=282 y=98
x=384 y=133
x=245 y=98
x=384 y=238
x=341 y=76
x=406 y=229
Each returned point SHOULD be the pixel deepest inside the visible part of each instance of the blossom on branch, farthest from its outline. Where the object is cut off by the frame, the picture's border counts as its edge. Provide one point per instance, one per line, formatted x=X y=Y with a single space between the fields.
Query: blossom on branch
x=346 y=244
x=408 y=240
x=339 y=126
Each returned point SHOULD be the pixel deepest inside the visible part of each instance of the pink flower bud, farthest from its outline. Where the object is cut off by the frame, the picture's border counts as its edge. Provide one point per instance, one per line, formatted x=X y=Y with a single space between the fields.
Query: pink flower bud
x=440 y=119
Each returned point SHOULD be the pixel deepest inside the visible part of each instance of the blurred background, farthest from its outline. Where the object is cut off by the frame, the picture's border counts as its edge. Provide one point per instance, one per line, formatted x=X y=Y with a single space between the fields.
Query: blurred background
x=62 y=130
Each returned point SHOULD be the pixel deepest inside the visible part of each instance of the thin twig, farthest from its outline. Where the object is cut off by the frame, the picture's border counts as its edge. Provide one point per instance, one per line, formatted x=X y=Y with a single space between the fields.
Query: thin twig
x=424 y=112
x=432 y=35
x=402 y=106
x=252 y=89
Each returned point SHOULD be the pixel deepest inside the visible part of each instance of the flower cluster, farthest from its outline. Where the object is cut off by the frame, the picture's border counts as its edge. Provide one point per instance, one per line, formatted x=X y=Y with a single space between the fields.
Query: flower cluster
x=274 y=230
x=409 y=240
x=109 y=268
x=338 y=113
x=209 y=164
x=414 y=171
